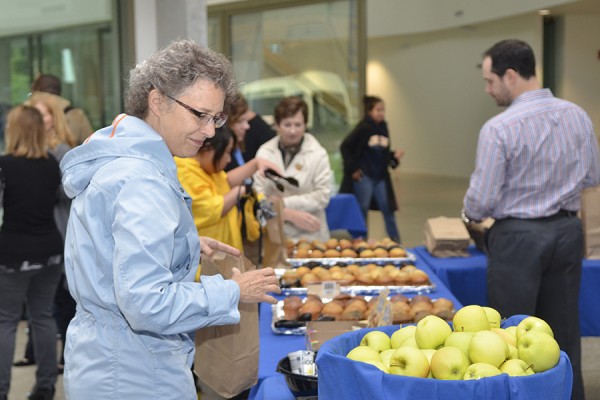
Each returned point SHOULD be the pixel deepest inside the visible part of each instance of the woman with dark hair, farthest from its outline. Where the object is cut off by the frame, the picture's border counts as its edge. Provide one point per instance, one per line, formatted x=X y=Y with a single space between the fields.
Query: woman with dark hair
x=215 y=193
x=367 y=157
x=31 y=247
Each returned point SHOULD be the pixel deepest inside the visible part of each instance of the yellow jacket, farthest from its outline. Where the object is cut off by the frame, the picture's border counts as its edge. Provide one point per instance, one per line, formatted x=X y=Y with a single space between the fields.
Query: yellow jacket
x=207 y=191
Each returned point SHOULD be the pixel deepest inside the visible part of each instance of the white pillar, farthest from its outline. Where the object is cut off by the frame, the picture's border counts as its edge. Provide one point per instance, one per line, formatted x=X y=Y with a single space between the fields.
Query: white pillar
x=159 y=22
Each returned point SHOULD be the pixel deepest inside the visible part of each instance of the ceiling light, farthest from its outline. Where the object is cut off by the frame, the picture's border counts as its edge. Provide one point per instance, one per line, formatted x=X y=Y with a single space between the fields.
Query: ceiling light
x=544 y=12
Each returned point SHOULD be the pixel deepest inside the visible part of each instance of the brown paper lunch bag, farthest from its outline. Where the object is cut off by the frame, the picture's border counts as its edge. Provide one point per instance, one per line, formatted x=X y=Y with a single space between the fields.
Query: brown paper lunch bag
x=227 y=356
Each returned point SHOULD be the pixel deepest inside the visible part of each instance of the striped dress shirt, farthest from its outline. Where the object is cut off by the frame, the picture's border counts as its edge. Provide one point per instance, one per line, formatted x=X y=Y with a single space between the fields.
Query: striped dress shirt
x=533 y=159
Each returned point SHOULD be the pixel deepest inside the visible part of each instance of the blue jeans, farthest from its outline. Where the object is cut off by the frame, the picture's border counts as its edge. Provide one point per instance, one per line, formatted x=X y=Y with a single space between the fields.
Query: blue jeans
x=365 y=190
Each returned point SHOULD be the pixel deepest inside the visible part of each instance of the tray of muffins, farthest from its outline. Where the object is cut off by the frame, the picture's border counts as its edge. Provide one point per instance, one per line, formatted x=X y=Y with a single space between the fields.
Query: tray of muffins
x=357 y=277
x=344 y=250
x=291 y=314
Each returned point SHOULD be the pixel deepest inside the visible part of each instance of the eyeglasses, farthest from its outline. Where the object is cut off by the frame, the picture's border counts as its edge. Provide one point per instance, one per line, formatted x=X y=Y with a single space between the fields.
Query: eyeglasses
x=206 y=118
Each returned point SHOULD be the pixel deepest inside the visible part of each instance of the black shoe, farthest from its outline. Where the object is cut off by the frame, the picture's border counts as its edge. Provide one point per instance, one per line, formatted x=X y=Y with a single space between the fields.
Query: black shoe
x=25 y=362
x=41 y=393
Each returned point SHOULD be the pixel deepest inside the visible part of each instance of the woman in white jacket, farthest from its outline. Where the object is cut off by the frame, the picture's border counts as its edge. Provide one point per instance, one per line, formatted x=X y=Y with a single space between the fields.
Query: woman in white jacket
x=299 y=155
x=132 y=249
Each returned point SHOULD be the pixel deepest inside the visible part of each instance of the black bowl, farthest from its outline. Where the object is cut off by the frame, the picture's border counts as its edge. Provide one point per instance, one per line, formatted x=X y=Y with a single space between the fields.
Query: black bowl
x=300 y=385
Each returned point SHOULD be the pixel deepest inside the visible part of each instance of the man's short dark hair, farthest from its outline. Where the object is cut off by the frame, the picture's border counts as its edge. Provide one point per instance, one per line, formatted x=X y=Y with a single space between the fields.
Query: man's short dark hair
x=47 y=83
x=512 y=54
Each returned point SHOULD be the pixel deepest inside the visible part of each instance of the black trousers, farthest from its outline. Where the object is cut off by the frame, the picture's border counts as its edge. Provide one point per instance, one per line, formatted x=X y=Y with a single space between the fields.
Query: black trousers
x=534 y=268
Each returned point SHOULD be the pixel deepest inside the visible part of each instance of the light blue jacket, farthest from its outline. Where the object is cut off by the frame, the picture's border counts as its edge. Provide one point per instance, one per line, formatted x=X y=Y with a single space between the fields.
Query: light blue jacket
x=131 y=252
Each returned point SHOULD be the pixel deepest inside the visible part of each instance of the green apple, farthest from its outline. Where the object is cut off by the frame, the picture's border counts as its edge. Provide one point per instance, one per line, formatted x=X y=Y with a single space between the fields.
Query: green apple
x=460 y=340
x=470 y=319
x=377 y=340
x=512 y=330
x=481 y=370
x=363 y=353
x=401 y=334
x=493 y=316
x=429 y=353
x=379 y=365
x=431 y=332
x=409 y=342
x=533 y=324
x=509 y=338
x=488 y=347
x=449 y=363
x=539 y=350
x=516 y=367
x=386 y=356
x=513 y=352
x=409 y=361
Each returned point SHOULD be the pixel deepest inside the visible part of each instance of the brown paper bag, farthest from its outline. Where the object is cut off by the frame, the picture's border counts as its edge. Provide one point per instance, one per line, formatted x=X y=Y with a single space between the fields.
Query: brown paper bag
x=275 y=252
x=590 y=218
x=227 y=356
x=446 y=237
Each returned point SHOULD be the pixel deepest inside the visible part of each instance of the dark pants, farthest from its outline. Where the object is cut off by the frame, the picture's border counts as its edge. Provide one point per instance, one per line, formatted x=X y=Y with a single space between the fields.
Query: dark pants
x=37 y=288
x=534 y=268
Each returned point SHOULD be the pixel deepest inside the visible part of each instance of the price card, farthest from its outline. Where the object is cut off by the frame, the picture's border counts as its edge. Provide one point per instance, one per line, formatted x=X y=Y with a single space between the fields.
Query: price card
x=326 y=289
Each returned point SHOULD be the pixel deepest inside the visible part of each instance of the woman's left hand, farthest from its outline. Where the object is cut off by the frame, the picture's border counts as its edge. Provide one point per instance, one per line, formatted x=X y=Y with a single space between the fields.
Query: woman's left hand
x=209 y=245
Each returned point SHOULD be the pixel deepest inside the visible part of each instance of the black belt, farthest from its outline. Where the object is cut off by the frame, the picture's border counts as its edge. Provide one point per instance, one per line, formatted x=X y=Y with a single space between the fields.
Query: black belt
x=560 y=214
x=565 y=213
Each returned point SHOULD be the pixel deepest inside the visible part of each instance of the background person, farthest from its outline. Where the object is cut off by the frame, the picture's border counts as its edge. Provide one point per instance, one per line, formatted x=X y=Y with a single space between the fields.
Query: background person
x=298 y=154
x=533 y=159
x=216 y=193
x=60 y=141
x=367 y=157
x=31 y=246
x=250 y=130
x=132 y=249
x=78 y=122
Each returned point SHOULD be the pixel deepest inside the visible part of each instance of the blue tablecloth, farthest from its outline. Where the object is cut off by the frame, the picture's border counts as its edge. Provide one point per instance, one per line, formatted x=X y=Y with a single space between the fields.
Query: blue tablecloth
x=466 y=279
x=271 y=385
x=342 y=378
x=343 y=212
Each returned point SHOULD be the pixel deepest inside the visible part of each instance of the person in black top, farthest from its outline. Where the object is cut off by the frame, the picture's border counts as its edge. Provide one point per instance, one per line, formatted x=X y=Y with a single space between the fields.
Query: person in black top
x=367 y=156
x=31 y=246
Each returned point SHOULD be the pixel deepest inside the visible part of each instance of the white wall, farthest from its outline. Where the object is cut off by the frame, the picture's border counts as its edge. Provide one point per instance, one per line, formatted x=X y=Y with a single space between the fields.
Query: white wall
x=394 y=17
x=579 y=69
x=434 y=93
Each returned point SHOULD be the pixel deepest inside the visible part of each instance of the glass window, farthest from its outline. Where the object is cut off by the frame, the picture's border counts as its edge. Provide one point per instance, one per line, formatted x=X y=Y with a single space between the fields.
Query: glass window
x=85 y=58
x=306 y=50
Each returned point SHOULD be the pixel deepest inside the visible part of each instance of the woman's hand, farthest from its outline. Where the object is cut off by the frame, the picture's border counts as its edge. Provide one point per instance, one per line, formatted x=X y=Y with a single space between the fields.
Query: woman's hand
x=262 y=164
x=209 y=245
x=302 y=219
x=254 y=285
x=357 y=175
x=398 y=154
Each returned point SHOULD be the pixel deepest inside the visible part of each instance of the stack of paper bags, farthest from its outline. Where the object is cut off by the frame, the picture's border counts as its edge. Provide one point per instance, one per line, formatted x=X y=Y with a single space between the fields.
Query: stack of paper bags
x=446 y=237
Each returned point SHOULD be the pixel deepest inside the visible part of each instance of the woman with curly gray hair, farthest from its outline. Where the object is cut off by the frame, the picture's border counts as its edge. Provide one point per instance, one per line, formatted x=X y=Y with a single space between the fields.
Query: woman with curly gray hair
x=132 y=248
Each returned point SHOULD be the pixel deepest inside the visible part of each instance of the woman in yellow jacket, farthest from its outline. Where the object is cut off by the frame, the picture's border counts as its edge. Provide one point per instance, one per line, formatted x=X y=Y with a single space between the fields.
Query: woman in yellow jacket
x=215 y=193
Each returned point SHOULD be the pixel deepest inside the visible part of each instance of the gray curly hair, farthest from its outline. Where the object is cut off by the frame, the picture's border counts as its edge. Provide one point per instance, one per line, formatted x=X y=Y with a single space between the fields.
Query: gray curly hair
x=174 y=69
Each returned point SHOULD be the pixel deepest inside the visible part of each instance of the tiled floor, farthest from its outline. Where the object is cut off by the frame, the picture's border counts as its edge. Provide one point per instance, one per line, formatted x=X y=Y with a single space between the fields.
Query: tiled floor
x=420 y=197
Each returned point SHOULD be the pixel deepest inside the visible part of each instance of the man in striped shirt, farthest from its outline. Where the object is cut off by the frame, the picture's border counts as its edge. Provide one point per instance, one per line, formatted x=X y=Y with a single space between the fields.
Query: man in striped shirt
x=533 y=159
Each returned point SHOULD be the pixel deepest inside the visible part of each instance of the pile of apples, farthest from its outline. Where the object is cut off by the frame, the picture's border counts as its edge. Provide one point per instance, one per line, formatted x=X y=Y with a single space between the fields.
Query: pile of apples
x=477 y=347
